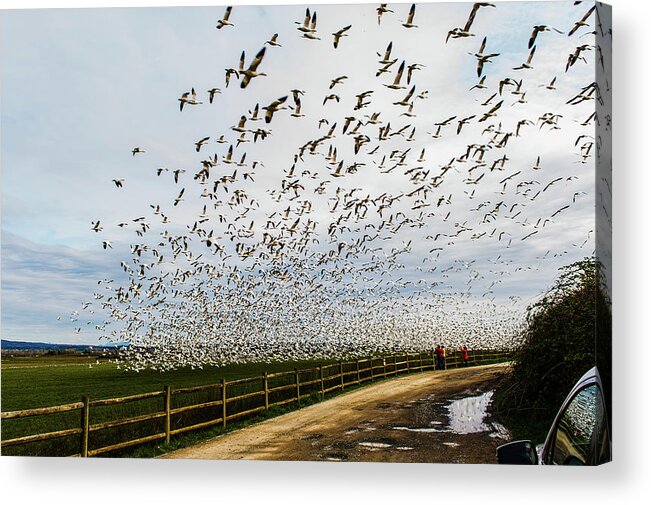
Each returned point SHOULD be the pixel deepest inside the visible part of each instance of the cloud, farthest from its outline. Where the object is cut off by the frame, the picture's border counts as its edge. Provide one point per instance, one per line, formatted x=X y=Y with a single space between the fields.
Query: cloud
x=95 y=83
x=41 y=283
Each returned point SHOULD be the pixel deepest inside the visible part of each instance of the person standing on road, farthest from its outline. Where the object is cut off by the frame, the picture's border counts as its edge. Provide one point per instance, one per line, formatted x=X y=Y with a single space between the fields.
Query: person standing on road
x=464 y=355
x=444 y=365
x=439 y=357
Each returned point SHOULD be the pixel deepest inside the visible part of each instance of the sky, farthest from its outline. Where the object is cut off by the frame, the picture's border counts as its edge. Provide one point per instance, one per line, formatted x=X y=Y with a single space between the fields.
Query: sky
x=82 y=87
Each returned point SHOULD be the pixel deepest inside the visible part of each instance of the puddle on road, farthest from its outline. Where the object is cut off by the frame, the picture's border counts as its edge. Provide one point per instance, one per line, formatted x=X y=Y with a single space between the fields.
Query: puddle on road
x=375 y=445
x=419 y=430
x=467 y=414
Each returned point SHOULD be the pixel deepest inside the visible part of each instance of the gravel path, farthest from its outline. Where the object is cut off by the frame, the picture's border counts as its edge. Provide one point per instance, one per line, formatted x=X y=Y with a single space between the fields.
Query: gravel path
x=400 y=420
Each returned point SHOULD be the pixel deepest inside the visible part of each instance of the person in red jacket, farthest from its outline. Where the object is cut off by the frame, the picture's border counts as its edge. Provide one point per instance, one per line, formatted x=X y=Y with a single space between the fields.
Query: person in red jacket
x=440 y=365
x=464 y=355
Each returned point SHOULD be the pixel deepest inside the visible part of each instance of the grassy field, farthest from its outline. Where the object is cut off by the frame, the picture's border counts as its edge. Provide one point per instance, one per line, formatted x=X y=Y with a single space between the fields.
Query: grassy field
x=32 y=382
x=53 y=380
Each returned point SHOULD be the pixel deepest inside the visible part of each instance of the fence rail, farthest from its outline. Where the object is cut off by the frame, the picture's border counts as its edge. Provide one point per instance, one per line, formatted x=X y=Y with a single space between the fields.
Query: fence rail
x=230 y=399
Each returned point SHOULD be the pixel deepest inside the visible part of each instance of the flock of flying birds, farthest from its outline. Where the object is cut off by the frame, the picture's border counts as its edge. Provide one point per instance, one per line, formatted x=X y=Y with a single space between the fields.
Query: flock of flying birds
x=363 y=243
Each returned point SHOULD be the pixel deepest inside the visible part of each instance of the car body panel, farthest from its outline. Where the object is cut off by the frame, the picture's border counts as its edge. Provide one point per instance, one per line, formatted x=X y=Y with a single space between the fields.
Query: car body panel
x=544 y=452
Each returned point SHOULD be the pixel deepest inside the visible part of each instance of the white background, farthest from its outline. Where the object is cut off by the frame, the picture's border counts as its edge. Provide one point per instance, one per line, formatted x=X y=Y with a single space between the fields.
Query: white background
x=58 y=481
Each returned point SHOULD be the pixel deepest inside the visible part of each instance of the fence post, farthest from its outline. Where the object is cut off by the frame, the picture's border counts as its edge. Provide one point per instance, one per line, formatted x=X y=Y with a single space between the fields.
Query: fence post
x=433 y=360
x=341 y=373
x=223 y=403
x=420 y=359
x=265 y=384
x=168 y=408
x=85 y=415
x=321 y=379
x=395 y=367
x=384 y=366
x=408 y=367
x=298 y=384
x=358 y=379
x=370 y=363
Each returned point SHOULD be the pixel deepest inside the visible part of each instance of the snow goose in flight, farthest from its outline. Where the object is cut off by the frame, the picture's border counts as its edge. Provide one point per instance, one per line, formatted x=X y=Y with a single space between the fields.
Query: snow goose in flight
x=273 y=41
x=225 y=20
x=382 y=9
x=410 y=18
x=340 y=33
x=252 y=71
x=212 y=92
x=274 y=107
x=582 y=22
x=396 y=81
x=527 y=65
x=539 y=29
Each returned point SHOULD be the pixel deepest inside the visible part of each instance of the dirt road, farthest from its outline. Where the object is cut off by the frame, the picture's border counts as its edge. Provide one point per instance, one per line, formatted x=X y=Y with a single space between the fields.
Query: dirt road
x=401 y=420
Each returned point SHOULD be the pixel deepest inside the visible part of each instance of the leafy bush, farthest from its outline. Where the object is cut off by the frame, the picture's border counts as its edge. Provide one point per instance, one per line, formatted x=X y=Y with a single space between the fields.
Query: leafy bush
x=568 y=330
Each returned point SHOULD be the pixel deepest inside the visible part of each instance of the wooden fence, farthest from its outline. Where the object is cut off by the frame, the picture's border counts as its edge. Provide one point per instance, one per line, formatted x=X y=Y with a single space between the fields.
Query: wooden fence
x=218 y=404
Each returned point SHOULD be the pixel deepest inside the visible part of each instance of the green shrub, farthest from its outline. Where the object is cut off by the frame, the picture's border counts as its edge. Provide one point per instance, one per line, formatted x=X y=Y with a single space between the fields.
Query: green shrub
x=568 y=330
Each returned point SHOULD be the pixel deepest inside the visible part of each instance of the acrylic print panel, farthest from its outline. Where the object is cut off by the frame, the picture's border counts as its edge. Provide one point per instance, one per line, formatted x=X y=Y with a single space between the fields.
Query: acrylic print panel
x=398 y=215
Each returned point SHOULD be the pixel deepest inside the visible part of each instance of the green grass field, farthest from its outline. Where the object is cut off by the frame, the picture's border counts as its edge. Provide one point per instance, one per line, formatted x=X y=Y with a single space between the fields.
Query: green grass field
x=32 y=382
x=53 y=380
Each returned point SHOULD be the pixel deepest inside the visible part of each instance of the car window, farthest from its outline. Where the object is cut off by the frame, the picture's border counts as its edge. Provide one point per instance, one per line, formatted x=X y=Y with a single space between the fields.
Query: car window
x=582 y=432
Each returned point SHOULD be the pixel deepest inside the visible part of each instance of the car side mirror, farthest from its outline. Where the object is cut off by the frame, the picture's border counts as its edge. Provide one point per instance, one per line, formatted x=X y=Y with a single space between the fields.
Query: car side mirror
x=521 y=452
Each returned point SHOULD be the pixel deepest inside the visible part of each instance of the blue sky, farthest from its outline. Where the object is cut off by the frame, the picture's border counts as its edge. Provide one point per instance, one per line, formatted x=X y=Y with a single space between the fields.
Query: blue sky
x=81 y=88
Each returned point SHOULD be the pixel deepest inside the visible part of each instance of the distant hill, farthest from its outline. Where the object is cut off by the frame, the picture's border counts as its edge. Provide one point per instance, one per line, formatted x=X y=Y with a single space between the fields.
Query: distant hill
x=16 y=345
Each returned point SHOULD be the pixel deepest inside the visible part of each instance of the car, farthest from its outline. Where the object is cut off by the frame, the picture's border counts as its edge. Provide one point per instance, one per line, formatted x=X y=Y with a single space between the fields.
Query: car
x=579 y=435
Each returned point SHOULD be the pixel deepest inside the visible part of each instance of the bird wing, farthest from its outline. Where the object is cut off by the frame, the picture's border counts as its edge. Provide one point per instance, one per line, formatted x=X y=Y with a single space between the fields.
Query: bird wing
x=534 y=34
x=227 y=14
x=533 y=50
x=396 y=81
x=560 y=210
x=412 y=11
x=409 y=95
x=483 y=45
x=387 y=53
x=497 y=106
x=471 y=18
x=587 y=14
x=257 y=60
